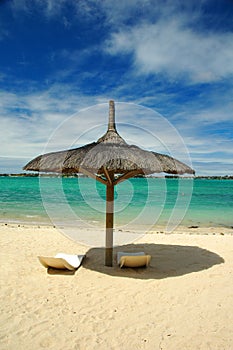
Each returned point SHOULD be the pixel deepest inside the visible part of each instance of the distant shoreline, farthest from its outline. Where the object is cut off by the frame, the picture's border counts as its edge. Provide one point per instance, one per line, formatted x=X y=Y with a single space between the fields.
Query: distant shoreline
x=226 y=177
x=156 y=229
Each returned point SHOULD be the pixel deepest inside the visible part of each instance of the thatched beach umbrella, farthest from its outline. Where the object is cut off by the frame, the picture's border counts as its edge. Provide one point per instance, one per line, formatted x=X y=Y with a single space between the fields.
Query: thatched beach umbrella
x=110 y=160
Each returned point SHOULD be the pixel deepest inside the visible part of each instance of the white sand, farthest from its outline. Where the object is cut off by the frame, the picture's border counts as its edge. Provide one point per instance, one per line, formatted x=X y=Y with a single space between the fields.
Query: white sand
x=184 y=300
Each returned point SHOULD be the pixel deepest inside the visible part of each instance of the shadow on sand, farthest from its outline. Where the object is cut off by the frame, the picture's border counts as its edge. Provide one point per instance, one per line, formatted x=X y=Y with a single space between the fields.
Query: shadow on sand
x=167 y=261
x=52 y=271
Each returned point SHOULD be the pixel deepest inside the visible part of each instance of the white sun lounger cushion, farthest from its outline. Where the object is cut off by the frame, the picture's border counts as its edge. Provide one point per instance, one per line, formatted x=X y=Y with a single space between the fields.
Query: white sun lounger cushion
x=137 y=259
x=62 y=261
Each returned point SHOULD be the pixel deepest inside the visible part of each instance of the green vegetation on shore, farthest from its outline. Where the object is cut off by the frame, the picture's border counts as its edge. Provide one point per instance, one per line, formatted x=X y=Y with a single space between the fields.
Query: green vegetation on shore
x=225 y=177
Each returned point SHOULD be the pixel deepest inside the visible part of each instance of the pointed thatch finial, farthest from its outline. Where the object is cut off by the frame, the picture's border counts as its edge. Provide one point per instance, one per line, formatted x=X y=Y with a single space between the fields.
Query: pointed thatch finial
x=111 y=120
x=111 y=136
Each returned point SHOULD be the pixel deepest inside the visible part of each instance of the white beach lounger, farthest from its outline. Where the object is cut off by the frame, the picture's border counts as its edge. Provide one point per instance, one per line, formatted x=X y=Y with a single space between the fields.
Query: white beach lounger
x=137 y=259
x=62 y=261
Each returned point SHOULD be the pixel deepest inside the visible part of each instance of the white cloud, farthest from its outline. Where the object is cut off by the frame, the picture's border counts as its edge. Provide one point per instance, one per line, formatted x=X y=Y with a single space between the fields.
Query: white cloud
x=3 y=33
x=27 y=120
x=30 y=121
x=162 y=42
x=210 y=168
x=47 y=7
x=40 y=116
x=174 y=49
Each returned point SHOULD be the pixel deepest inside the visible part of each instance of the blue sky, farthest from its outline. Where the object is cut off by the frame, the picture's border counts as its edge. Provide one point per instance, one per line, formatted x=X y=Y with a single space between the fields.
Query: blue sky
x=175 y=57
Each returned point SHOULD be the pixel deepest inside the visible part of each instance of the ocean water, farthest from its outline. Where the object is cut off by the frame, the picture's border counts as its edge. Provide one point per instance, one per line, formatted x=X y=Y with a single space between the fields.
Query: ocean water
x=138 y=202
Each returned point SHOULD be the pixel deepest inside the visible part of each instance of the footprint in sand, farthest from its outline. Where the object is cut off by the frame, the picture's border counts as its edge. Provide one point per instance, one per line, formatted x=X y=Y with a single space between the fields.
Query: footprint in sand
x=46 y=342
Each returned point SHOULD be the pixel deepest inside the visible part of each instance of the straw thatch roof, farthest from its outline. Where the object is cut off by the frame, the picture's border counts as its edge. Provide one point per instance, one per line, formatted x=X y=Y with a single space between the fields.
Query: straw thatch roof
x=110 y=152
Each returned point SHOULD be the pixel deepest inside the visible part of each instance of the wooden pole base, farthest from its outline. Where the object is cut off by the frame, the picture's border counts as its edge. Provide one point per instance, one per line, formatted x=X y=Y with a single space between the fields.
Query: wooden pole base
x=109 y=221
x=108 y=256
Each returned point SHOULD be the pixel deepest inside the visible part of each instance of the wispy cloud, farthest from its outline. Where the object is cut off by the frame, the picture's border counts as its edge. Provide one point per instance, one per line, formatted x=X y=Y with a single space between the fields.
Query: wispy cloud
x=178 y=52
x=47 y=7
x=33 y=123
x=159 y=54
x=28 y=119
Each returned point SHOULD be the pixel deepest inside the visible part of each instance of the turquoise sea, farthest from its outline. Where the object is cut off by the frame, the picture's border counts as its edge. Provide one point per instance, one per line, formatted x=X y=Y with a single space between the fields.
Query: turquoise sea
x=138 y=201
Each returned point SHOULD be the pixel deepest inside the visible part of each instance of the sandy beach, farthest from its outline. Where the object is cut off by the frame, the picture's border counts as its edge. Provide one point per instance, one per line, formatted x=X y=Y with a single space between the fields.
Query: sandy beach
x=184 y=300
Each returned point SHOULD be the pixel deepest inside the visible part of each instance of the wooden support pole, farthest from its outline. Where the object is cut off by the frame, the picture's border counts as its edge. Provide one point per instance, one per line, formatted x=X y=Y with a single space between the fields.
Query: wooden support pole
x=109 y=224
